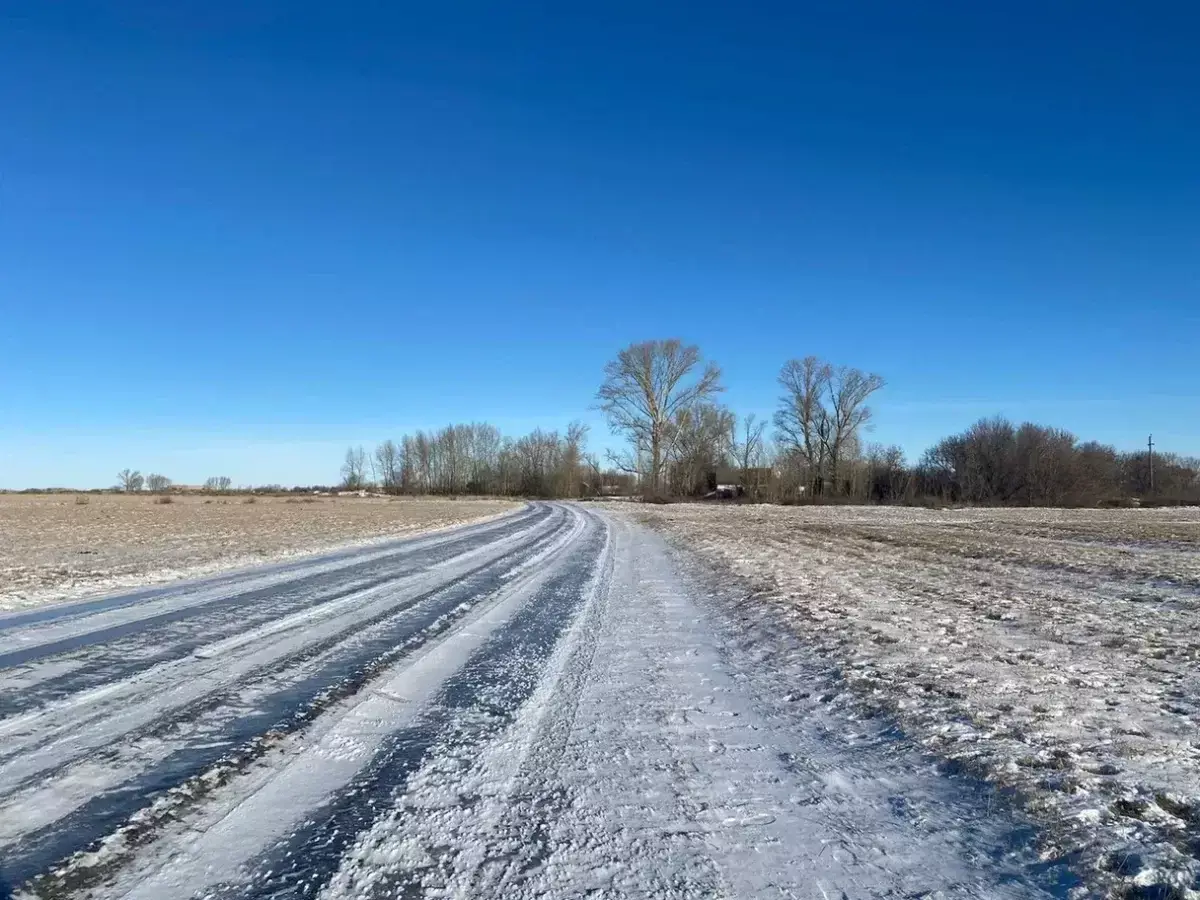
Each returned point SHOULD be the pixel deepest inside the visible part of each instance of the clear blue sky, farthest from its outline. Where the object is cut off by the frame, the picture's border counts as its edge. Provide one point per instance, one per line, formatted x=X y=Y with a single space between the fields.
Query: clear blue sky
x=235 y=237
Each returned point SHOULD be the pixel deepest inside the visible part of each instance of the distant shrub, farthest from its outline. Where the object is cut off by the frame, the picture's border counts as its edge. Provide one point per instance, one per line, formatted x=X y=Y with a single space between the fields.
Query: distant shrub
x=82 y=500
x=250 y=500
x=164 y=500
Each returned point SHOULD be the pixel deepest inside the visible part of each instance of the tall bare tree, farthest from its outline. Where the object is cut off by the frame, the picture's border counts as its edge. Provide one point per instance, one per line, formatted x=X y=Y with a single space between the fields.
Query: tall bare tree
x=354 y=469
x=484 y=457
x=157 y=483
x=409 y=482
x=387 y=465
x=218 y=483
x=848 y=391
x=821 y=412
x=538 y=457
x=644 y=389
x=130 y=480
x=571 y=475
x=593 y=475
x=801 y=422
x=746 y=443
x=423 y=448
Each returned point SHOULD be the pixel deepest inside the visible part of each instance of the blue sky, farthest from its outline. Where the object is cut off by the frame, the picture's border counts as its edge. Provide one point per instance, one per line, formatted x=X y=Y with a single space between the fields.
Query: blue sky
x=235 y=237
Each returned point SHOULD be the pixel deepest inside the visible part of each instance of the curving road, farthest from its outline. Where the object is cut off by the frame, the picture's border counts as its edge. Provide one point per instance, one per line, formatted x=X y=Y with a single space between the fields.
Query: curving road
x=544 y=705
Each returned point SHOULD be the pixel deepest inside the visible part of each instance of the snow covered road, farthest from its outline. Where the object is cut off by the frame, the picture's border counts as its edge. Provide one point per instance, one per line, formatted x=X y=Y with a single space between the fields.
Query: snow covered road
x=544 y=705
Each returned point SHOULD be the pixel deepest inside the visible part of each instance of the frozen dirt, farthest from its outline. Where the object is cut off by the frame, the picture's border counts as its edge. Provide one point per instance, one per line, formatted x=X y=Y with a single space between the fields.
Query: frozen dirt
x=67 y=546
x=1053 y=652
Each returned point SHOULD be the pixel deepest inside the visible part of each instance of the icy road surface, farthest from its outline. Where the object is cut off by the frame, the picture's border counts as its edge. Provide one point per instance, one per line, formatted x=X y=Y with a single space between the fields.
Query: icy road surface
x=545 y=705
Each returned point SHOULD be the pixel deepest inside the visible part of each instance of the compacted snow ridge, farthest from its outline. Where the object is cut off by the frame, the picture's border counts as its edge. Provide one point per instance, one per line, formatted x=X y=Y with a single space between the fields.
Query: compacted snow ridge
x=1053 y=652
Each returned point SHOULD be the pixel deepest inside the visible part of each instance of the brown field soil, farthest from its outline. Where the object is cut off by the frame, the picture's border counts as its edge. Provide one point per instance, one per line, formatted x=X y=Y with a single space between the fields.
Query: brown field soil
x=53 y=548
x=1055 y=652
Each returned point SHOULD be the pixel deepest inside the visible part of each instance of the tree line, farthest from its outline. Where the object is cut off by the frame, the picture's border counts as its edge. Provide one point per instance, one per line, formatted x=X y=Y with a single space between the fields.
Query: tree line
x=130 y=481
x=997 y=462
x=662 y=398
x=475 y=458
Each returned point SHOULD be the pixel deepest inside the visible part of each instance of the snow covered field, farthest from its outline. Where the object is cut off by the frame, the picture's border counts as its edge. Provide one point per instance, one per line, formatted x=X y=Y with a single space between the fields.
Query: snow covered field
x=1053 y=652
x=547 y=705
x=52 y=548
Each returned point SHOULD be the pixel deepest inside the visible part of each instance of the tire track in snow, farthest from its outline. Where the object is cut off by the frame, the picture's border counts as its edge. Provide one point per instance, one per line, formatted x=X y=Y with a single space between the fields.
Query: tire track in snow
x=474 y=706
x=111 y=645
x=278 y=708
x=225 y=717
x=260 y=811
x=466 y=833
x=94 y=718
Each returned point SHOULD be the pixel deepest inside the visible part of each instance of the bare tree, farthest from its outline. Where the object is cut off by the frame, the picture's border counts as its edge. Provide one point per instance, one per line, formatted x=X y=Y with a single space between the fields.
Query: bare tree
x=537 y=457
x=484 y=453
x=388 y=466
x=408 y=465
x=506 y=466
x=570 y=475
x=821 y=413
x=644 y=389
x=454 y=443
x=888 y=479
x=130 y=480
x=157 y=483
x=218 y=483
x=354 y=469
x=594 y=475
x=1098 y=473
x=423 y=455
x=746 y=443
x=801 y=422
x=848 y=391
x=699 y=446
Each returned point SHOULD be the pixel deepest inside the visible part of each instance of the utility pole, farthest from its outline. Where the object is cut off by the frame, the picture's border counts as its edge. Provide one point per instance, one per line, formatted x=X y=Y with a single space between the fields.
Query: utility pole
x=1150 y=447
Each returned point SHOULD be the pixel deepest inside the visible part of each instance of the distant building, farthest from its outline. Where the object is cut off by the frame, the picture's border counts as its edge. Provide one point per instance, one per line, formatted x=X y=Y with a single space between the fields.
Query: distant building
x=727 y=483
